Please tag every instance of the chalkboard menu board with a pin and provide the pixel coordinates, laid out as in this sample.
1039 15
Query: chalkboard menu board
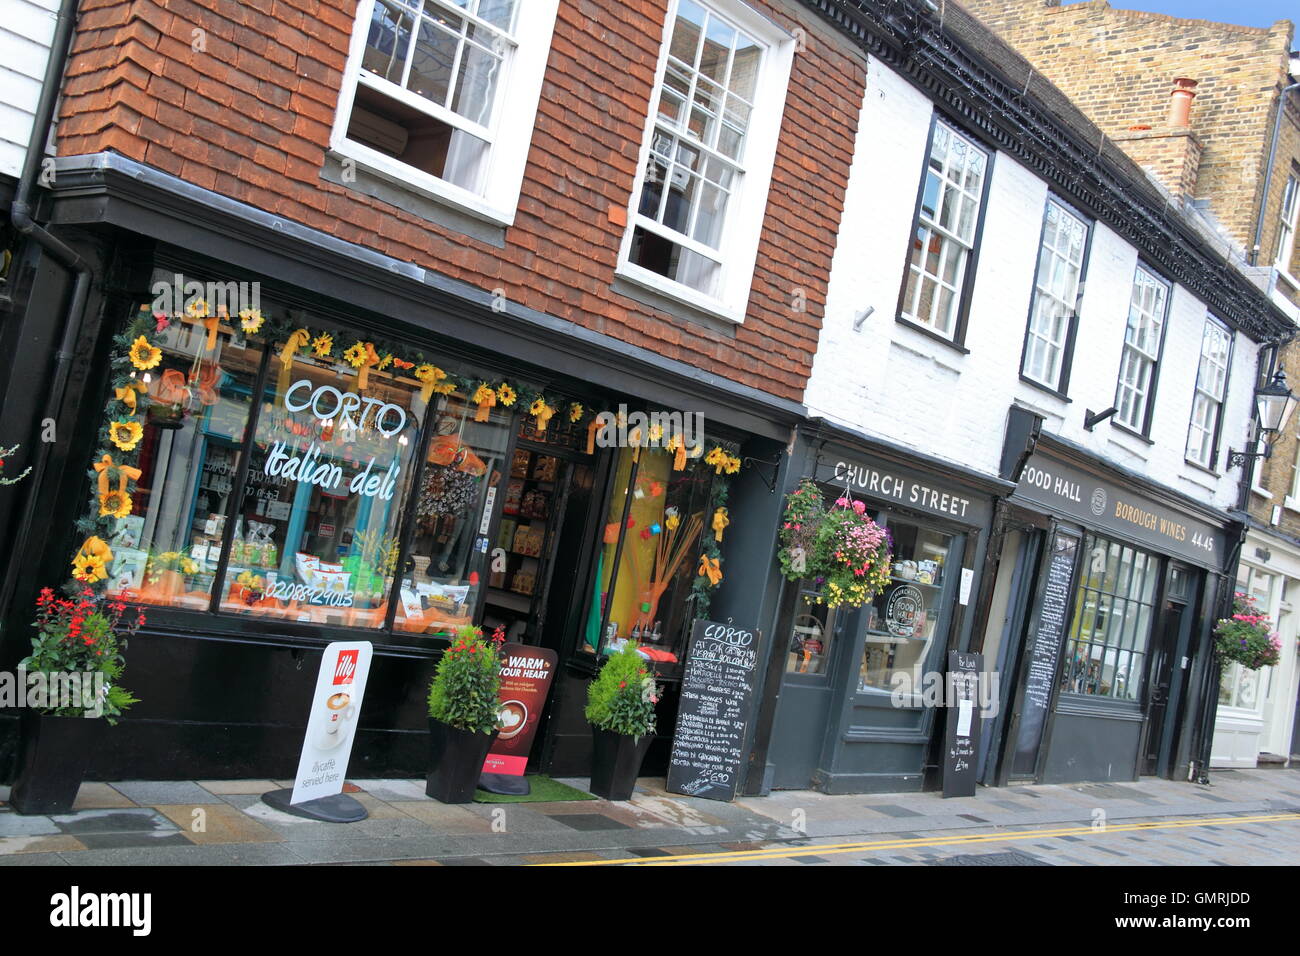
962 741
710 735
1046 633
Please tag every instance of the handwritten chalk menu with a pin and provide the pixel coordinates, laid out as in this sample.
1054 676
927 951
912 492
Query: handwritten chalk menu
710 735
961 744
1047 631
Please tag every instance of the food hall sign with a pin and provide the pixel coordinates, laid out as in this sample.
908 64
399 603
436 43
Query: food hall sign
1106 506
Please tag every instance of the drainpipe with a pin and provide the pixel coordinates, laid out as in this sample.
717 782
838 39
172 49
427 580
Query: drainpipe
20 214
1268 172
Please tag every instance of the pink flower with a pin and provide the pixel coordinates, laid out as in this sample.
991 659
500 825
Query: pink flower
859 507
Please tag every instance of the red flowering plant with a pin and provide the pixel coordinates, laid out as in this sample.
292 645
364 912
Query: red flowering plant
851 554
466 688
804 510
79 646
622 698
1247 638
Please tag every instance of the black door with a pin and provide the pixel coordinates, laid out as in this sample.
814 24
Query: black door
807 689
1169 647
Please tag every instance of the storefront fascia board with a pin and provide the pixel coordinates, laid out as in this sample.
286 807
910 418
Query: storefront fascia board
1159 518
113 190
834 451
1284 551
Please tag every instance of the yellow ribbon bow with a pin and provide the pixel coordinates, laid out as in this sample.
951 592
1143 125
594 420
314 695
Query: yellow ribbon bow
677 445
710 568
363 370
720 522
210 323
105 465
543 416
486 397
592 427
126 394
298 340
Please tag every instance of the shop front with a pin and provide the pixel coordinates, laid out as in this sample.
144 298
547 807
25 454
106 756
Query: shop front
295 467
848 704
1100 620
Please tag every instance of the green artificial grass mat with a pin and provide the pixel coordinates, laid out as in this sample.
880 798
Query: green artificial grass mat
543 790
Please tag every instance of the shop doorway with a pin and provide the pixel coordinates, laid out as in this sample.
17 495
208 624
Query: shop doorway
811 636
1165 690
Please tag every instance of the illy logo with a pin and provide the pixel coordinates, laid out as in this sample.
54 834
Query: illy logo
346 668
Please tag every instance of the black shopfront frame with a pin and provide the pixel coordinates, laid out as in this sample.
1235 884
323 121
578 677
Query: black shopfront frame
865 744
1087 738
222 694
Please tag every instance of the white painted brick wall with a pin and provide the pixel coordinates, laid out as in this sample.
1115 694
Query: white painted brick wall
891 381
26 31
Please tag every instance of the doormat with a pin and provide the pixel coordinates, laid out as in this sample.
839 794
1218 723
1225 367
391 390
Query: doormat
544 790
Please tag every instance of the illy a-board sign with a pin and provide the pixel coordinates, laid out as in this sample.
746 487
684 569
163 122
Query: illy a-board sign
1107 506
332 724
708 744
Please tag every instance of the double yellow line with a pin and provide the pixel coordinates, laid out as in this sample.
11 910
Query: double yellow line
828 849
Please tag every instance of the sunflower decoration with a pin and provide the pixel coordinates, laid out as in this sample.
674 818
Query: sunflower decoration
98 547
656 434
355 355
576 411
144 355
542 412
384 362
251 320
506 395
198 309
114 504
322 345
125 435
721 461
88 568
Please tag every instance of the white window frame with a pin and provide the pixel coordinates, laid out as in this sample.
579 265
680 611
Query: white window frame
1134 358
1292 498
1045 289
1288 221
1207 395
737 250
513 117
950 239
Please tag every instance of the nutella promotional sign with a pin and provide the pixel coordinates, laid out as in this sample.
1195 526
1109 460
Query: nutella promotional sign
332 724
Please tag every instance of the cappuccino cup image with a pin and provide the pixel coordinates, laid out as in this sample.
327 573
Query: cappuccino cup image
338 709
514 717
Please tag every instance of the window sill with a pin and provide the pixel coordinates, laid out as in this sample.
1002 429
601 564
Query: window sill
930 333
1125 430
678 293
409 180
1055 393
1202 468
1291 504
1262 492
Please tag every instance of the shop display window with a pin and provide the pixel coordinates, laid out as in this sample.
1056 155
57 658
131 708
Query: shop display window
316 534
811 635
903 621
651 556
1106 651
464 471
194 408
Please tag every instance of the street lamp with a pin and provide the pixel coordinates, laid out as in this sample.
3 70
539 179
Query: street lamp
1274 404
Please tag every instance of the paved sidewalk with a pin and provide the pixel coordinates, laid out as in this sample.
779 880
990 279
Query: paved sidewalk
225 823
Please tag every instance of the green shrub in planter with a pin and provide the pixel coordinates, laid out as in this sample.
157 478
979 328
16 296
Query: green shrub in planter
622 698
466 687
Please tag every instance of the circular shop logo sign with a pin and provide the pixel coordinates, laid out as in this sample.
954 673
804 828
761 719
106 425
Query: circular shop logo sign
903 610
1099 502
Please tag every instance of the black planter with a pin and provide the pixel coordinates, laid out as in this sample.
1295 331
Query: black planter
52 757
456 757
615 762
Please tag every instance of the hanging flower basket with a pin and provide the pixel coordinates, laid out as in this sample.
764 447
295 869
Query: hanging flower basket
1247 638
840 547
